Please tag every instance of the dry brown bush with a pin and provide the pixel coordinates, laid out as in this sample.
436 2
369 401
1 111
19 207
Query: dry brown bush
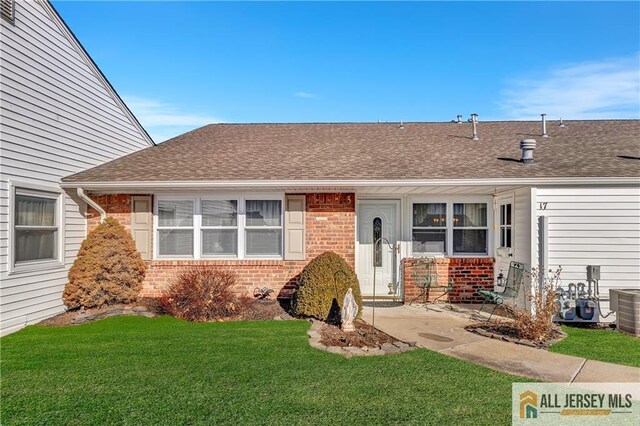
108 269
202 294
538 325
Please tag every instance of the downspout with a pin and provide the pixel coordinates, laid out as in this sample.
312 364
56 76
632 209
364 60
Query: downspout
90 202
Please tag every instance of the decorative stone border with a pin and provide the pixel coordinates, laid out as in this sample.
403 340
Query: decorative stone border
84 317
350 351
498 336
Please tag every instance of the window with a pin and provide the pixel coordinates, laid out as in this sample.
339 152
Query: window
219 227
506 230
377 241
8 8
469 228
429 232
175 228
450 228
263 228
36 226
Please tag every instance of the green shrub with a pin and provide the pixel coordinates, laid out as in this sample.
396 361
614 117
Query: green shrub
322 286
202 294
108 269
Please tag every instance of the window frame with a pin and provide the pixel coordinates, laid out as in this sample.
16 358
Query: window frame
502 227
431 228
207 227
198 228
41 191
450 201
157 228
470 228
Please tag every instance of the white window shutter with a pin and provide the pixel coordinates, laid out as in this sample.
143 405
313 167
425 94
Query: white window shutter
294 216
141 226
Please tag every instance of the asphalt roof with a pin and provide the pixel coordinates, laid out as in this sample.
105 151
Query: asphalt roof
381 151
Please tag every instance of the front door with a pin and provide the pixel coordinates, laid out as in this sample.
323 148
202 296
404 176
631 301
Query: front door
504 236
378 231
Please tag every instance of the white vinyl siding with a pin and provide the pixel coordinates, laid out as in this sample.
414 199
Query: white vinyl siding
59 117
594 226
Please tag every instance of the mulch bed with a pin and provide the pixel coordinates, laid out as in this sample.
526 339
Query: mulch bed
262 310
506 332
363 336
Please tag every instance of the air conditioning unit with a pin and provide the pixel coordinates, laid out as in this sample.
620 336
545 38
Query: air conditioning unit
626 304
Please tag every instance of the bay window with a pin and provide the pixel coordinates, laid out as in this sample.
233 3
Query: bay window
219 227
450 228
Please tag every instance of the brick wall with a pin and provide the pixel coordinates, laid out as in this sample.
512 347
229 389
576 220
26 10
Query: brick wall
469 276
329 225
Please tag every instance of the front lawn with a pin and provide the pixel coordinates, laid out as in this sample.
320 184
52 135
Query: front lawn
602 345
132 370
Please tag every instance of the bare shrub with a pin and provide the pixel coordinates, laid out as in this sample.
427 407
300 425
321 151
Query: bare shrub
537 324
202 294
107 270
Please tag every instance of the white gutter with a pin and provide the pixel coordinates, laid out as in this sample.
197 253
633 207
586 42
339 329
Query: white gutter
350 183
89 201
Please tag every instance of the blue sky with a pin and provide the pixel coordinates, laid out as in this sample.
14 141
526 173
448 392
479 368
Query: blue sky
180 65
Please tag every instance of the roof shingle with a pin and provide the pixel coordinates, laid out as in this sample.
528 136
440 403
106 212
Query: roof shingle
380 151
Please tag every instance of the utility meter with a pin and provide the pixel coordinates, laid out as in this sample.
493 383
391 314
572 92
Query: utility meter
593 273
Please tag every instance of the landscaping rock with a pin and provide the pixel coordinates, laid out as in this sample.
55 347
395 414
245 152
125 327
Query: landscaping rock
146 314
139 309
400 344
390 348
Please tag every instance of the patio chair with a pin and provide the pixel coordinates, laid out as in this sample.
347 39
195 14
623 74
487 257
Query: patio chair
426 277
512 285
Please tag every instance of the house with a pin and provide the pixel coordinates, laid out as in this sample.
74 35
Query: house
59 115
264 199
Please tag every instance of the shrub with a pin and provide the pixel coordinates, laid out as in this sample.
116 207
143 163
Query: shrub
202 294
538 325
322 286
108 269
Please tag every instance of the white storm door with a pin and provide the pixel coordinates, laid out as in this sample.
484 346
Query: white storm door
504 237
377 219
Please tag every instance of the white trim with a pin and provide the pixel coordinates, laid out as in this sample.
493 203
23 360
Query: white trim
43 191
450 200
197 224
232 184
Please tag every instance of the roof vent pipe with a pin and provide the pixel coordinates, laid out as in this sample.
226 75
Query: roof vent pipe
527 146
544 125
474 122
561 123
459 119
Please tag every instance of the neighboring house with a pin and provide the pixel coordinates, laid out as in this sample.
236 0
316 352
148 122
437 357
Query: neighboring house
264 199
59 115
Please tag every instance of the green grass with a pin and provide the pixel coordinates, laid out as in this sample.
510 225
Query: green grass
600 345
132 370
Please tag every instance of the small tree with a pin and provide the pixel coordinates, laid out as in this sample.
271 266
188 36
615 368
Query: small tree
322 286
108 269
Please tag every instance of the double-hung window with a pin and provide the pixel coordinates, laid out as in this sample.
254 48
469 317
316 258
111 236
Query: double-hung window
175 228
219 227
470 228
263 228
450 228
36 224
430 228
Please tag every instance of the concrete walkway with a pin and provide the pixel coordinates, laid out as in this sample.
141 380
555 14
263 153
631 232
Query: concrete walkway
441 329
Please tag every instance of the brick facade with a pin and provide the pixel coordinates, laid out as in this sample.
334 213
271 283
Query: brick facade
329 225
469 276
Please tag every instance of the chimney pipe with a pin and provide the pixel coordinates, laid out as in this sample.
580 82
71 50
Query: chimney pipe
561 123
527 146
474 121
459 119
544 125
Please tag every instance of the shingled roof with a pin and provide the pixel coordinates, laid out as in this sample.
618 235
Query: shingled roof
380 151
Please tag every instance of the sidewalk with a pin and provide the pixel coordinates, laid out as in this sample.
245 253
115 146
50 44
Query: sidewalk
442 330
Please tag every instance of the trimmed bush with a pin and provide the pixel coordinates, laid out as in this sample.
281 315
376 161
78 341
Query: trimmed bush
108 269
202 294
322 286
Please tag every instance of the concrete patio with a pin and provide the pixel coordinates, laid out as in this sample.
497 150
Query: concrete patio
441 329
